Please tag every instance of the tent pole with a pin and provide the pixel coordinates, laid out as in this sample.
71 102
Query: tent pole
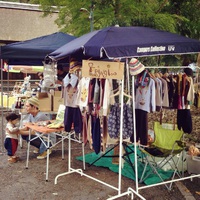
127 75
2 129
168 67
134 133
120 140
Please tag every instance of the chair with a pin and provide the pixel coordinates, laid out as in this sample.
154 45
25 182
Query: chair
167 147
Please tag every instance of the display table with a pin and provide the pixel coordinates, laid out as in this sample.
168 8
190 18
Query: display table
24 119
46 131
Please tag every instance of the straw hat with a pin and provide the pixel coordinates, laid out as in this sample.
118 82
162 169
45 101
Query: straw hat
74 66
33 101
135 67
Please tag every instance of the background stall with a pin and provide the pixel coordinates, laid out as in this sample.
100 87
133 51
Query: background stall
30 53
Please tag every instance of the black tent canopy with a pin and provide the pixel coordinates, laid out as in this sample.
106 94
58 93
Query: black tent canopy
33 51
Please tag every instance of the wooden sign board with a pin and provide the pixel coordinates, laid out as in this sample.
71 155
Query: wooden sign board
102 69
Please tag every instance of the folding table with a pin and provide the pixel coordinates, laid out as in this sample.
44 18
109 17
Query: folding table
44 130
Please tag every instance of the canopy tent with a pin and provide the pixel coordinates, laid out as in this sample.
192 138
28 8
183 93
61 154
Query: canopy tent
127 42
33 52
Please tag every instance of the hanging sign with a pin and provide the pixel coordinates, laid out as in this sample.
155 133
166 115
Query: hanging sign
102 69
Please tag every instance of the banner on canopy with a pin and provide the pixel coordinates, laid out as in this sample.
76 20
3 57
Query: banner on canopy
22 68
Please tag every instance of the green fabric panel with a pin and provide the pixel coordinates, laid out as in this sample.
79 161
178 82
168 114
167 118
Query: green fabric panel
127 170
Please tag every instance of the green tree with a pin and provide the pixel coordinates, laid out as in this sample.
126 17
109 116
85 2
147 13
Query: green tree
110 12
178 16
175 16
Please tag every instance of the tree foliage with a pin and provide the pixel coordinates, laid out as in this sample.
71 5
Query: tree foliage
178 16
175 16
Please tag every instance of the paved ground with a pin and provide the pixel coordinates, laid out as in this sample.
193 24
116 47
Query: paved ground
20 183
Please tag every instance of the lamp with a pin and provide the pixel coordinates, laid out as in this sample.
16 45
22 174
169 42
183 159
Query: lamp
91 17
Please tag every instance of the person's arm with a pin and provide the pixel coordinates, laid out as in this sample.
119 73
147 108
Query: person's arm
25 131
12 130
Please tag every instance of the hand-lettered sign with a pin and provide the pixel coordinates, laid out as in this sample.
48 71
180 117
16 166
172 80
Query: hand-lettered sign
102 69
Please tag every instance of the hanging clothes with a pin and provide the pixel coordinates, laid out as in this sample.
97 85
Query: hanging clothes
104 132
158 94
145 97
184 120
70 91
83 92
96 98
114 121
73 119
107 99
171 91
165 96
141 118
145 102
91 90
96 134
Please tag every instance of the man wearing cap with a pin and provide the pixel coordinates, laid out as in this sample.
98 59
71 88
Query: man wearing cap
32 108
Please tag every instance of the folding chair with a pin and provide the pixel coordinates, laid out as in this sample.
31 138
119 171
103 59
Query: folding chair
167 146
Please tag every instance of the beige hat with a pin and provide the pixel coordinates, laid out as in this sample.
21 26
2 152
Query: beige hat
33 101
135 67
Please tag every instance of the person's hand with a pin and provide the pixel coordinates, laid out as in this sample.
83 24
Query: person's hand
36 83
32 132
23 129
59 82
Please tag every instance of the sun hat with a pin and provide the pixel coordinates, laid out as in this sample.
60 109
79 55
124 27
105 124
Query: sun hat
74 65
33 101
135 67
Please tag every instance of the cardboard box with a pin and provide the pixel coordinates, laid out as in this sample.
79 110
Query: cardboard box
56 103
57 100
57 93
45 103
193 164
40 95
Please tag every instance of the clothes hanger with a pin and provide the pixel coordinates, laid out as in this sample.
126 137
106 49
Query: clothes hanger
127 95
118 93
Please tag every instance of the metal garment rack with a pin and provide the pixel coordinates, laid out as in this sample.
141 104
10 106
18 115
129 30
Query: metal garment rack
183 178
80 171
130 190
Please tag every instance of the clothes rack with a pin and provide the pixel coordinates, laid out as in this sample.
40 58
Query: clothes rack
80 171
136 191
